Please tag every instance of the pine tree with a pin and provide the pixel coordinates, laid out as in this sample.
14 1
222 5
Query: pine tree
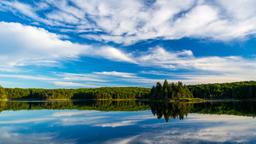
153 92
158 90
165 89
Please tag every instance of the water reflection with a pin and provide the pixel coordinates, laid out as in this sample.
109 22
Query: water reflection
127 122
167 111
171 110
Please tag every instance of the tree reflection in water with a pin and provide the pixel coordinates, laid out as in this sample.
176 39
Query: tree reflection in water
166 110
171 110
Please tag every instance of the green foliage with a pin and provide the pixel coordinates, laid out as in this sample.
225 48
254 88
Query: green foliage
236 90
170 91
83 93
2 93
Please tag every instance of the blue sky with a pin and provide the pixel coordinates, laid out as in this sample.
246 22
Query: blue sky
95 43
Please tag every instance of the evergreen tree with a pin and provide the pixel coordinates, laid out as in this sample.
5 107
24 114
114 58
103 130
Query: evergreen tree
153 92
165 89
158 90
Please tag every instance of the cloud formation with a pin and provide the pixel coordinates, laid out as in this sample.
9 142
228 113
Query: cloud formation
23 45
50 33
132 21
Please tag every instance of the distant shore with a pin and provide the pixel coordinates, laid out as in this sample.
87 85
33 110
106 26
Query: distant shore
194 100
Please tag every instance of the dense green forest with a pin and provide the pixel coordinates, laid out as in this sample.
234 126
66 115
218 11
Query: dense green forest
170 91
84 93
236 90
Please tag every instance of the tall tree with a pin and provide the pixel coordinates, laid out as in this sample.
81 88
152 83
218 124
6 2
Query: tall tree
153 92
165 89
158 90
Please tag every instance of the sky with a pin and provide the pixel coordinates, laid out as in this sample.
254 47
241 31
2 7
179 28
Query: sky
98 43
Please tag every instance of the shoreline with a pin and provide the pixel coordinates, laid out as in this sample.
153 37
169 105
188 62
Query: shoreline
190 100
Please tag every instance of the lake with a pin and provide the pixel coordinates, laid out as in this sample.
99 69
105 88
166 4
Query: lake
120 122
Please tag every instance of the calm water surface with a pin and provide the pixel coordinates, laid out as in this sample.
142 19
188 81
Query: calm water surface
126 122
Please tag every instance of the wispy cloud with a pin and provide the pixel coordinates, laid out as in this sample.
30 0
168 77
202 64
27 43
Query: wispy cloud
200 69
23 45
28 77
50 33
82 77
72 84
116 74
101 79
131 21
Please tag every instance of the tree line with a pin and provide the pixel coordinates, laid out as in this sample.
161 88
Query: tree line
83 93
235 90
165 90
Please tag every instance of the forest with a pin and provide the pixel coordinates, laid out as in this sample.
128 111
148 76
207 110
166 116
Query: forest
235 90
83 93
165 90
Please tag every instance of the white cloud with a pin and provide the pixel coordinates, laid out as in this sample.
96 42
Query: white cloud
20 7
160 57
112 54
81 77
72 84
26 45
128 22
28 77
132 21
23 45
163 58
101 79
208 69
116 74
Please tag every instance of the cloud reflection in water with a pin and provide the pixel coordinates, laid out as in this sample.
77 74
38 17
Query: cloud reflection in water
77 126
